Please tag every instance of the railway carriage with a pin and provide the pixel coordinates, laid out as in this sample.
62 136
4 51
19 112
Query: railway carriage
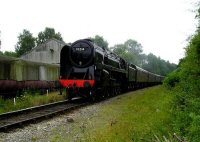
152 78
142 77
132 73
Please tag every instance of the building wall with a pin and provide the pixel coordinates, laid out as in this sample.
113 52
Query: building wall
48 52
21 70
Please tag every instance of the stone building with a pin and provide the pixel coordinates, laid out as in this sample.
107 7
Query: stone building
48 52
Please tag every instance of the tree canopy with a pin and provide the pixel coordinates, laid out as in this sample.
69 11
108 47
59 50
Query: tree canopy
130 50
157 65
100 41
25 43
10 53
47 34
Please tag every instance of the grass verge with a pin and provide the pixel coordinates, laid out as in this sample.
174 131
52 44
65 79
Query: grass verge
143 115
28 100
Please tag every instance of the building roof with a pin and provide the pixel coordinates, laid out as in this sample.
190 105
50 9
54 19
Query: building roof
48 52
41 45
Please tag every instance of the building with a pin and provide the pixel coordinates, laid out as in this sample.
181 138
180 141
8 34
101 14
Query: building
48 52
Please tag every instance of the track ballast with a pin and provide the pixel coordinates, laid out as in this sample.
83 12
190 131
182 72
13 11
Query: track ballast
19 118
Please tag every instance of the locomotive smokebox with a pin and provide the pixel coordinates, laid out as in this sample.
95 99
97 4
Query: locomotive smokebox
82 53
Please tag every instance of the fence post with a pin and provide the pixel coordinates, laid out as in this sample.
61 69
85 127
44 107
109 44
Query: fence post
14 102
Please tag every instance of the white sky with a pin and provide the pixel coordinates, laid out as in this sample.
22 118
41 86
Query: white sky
161 26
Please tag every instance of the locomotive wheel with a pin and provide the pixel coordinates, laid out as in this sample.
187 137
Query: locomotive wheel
110 92
104 92
93 98
69 94
99 93
115 91
120 91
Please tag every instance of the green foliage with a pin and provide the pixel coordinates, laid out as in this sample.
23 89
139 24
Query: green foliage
47 34
157 65
25 43
187 95
172 79
186 102
131 51
10 53
100 41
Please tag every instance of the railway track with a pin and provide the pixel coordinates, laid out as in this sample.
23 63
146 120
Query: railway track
20 118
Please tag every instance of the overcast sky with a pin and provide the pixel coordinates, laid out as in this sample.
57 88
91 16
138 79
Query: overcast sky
161 26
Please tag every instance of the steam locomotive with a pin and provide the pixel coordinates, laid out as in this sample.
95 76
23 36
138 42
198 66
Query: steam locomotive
90 71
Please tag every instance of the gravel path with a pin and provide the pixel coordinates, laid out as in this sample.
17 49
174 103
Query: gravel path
71 126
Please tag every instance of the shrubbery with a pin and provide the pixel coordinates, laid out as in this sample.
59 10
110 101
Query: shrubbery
186 91
172 79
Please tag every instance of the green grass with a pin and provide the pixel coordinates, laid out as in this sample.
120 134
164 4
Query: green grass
137 116
28 100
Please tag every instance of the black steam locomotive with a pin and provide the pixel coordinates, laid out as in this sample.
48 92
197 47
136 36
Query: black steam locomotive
90 71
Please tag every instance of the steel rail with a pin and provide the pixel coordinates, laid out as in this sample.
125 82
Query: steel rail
19 118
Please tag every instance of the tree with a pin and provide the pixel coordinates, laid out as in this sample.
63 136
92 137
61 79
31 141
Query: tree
157 65
10 53
99 40
47 34
133 46
131 51
25 43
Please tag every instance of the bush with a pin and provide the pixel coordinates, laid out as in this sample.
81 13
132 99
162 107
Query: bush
186 83
172 79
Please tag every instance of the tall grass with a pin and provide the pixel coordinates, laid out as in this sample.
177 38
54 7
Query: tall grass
28 100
